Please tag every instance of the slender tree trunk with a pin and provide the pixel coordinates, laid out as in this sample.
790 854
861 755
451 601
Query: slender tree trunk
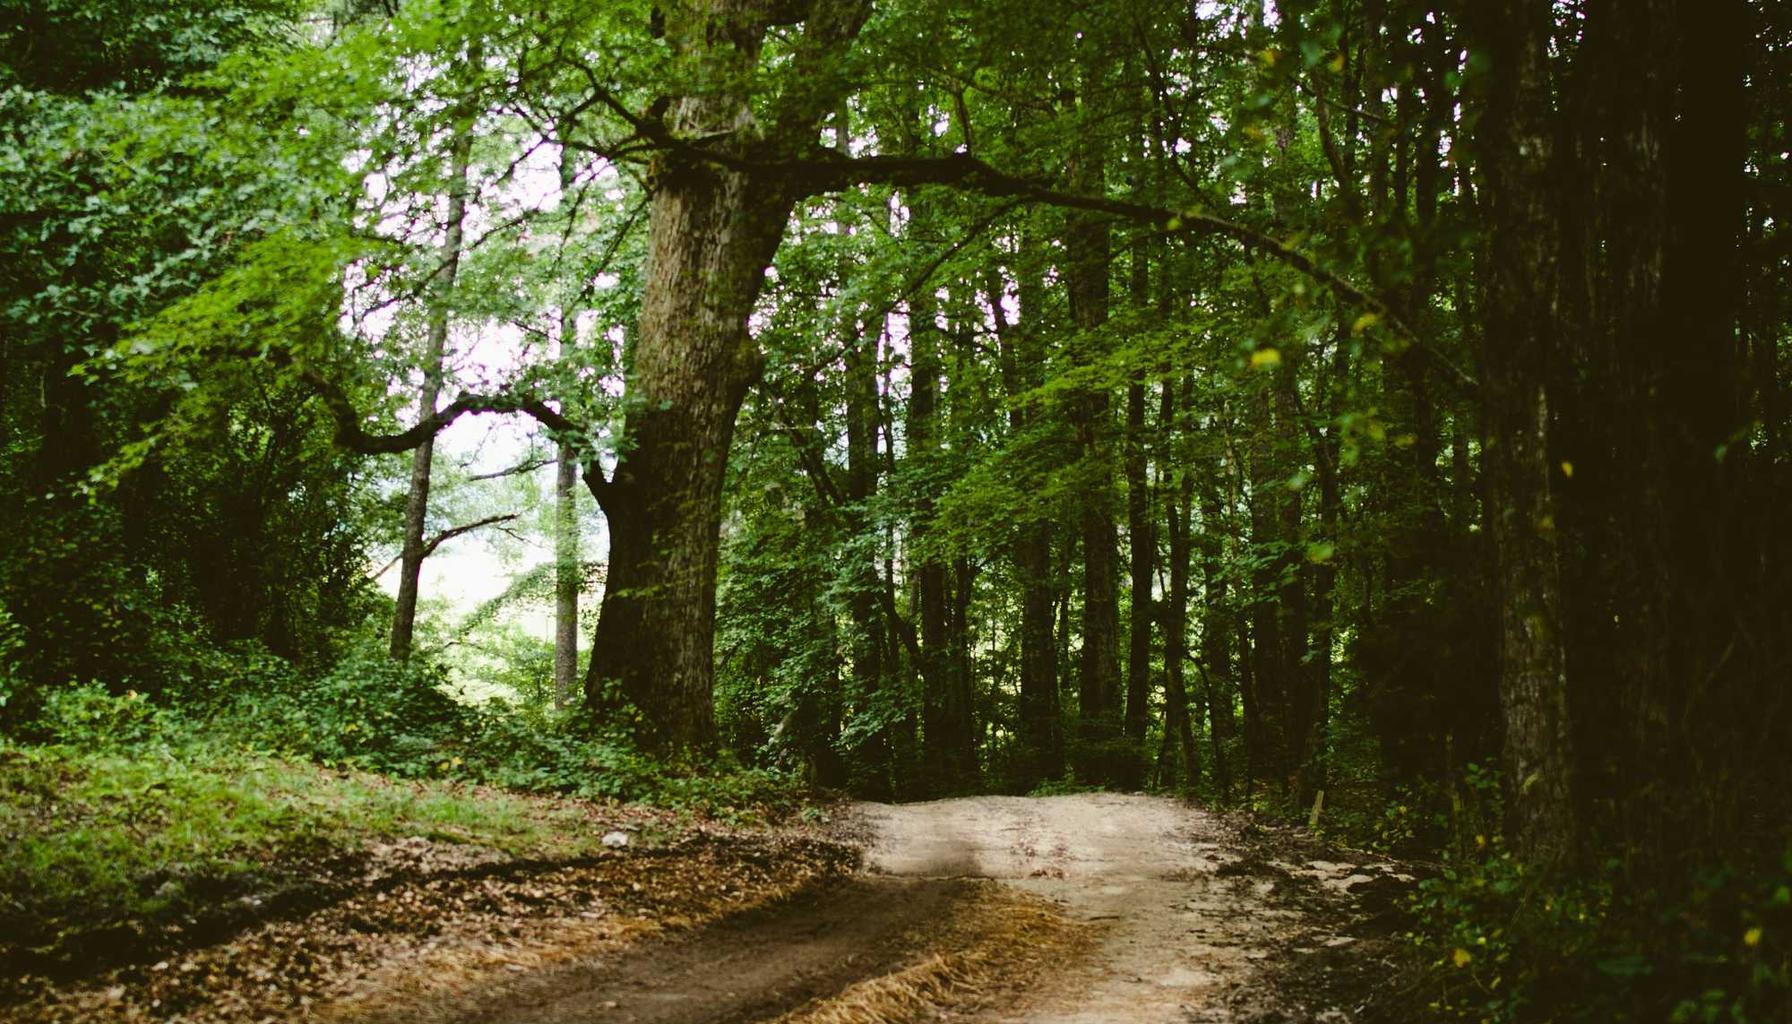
1327 449
1141 532
1088 257
416 507
868 633
1141 529
568 572
1065 585
1041 740
1293 608
567 577
1216 640
1178 491
1249 704
1272 691
869 638
946 740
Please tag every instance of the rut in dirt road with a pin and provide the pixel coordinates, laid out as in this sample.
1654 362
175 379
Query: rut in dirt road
754 966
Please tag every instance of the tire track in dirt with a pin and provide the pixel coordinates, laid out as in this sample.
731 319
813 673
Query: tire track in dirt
752 966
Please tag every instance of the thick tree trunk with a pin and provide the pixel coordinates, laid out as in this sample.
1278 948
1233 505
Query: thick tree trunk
1519 303
713 233
416 507
1717 544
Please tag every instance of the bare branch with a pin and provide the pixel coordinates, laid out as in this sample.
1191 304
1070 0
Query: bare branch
452 532
430 546
526 466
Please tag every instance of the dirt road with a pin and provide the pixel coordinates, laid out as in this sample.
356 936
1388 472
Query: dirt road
1175 918
1148 912
1188 917
986 910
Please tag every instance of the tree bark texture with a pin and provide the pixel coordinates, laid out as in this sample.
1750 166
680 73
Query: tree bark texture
712 232
1520 325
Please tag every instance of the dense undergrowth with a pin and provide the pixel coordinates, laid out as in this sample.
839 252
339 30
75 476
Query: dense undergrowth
1494 942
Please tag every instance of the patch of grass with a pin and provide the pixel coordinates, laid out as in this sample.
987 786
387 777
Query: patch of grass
89 838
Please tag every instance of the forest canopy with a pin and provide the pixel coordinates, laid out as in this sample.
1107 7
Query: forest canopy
1365 413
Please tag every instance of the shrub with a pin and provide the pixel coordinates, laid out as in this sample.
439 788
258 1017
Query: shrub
1505 945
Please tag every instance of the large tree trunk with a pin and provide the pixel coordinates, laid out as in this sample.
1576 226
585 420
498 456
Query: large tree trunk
712 232
1717 545
1519 303
416 506
1664 547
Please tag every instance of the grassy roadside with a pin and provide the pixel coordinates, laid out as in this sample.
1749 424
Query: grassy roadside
116 843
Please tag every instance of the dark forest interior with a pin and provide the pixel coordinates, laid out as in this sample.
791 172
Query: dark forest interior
1364 419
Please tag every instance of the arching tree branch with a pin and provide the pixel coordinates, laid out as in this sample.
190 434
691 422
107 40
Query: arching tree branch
352 435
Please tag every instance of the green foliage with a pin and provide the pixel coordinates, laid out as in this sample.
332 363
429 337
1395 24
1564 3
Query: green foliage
1505 944
1500 941
399 719
88 716
151 499
12 644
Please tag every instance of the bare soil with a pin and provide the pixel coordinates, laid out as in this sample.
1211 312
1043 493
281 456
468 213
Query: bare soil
1200 919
